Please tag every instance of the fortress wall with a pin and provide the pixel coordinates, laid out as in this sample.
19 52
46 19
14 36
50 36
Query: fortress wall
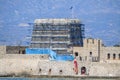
105 69
26 56
60 68
111 51
32 67
15 49
2 51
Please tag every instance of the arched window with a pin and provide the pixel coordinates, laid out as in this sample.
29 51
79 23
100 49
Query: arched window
119 56
108 56
114 56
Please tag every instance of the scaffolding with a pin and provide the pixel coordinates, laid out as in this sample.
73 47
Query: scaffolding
57 34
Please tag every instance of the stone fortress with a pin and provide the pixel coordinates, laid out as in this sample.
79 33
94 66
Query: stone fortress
51 49
93 50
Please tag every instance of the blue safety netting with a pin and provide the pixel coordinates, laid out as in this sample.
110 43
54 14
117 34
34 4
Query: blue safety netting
48 51
64 58
37 51
52 55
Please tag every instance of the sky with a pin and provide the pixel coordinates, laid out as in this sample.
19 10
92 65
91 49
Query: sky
101 18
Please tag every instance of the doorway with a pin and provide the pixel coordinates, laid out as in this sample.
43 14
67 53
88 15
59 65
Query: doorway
83 70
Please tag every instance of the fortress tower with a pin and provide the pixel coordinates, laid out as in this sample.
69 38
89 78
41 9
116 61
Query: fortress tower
57 34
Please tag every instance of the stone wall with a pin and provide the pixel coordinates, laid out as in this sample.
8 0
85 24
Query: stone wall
11 52
37 67
98 52
114 54
2 51
26 56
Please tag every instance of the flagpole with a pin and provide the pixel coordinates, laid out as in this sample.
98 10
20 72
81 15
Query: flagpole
72 12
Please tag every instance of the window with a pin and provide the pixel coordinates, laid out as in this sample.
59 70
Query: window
40 69
87 41
93 41
85 58
19 51
50 70
108 56
76 53
80 58
90 53
119 56
114 56
23 52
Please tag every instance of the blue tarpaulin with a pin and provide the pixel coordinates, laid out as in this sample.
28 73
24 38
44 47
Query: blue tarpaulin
64 58
53 55
37 51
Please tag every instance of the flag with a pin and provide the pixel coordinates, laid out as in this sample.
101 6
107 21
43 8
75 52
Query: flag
71 7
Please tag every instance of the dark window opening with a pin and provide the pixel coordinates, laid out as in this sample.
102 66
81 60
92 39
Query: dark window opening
119 56
76 53
50 71
19 52
114 56
40 69
87 41
93 41
23 52
85 58
108 56
60 71
42 56
80 58
90 53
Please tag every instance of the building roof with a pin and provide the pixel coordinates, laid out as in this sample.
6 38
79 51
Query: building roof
57 21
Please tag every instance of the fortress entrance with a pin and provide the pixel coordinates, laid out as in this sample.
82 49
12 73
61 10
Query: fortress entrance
83 70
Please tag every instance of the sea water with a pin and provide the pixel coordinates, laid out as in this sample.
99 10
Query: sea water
11 78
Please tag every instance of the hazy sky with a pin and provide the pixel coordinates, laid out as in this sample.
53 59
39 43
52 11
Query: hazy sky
101 18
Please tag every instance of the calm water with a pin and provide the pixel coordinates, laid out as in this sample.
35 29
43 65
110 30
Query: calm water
56 79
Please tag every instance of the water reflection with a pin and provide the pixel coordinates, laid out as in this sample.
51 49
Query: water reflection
59 78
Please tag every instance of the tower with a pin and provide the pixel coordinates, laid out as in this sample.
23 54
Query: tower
57 34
